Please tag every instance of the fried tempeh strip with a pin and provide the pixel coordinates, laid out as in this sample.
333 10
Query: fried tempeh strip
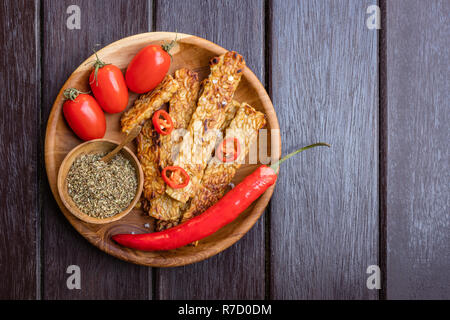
148 103
163 225
181 107
147 151
230 113
218 175
160 224
196 148
165 206
148 140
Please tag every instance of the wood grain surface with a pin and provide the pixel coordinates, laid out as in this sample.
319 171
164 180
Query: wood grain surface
331 206
19 132
237 273
103 276
418 223
324 213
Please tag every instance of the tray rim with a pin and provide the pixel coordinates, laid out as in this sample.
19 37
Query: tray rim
259 205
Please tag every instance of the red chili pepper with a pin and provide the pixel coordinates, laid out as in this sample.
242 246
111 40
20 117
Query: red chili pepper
219 215
162 122
176 177
228 150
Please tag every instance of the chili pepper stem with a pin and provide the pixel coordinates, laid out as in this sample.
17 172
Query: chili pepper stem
276 165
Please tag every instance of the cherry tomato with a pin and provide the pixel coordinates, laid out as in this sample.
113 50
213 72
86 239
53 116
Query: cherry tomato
148 68
109 87
84 115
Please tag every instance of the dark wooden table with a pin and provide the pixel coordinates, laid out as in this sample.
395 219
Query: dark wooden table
380 196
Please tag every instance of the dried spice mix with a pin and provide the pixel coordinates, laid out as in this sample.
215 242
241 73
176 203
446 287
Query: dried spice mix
100 189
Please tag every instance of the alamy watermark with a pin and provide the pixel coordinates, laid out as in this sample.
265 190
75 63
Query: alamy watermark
374 279
74 280
74 19
374 19
196 148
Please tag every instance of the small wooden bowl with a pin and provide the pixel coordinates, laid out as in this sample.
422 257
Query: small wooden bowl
88 147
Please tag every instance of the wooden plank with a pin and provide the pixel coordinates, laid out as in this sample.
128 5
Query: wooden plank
102 276
324 213
19 132
238 272
418 252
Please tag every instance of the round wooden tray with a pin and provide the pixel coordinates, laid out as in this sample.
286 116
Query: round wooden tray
191 52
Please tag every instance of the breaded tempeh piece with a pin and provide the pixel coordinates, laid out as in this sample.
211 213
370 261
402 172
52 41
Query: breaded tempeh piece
230 113
147 152
165 208
184 101
196 149
218 175
163 225
170 210
148 141
181 107
148 103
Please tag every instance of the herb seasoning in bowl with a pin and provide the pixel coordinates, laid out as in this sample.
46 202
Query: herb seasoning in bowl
101 189
96 191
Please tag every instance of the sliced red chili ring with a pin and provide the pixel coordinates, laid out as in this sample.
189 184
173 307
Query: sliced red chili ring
228 150
162 122
175 177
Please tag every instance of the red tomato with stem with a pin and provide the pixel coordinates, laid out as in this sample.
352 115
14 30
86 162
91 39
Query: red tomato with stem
148 67
109 87
84 115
